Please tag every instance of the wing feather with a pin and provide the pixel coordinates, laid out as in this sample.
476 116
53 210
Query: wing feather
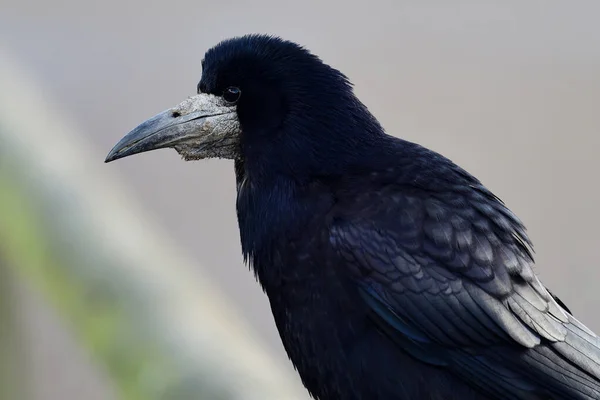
449 277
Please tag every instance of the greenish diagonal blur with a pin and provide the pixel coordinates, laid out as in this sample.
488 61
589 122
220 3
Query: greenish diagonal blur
12 361
93 311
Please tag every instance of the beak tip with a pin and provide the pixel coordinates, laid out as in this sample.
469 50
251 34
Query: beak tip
112 156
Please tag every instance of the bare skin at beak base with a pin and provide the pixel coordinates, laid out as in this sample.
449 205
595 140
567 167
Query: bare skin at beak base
202 126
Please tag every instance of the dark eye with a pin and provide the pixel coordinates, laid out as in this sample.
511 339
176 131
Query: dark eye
232 94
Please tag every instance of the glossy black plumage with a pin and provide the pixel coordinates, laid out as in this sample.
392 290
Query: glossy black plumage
391 272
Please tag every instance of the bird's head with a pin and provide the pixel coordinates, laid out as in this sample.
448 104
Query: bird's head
259 98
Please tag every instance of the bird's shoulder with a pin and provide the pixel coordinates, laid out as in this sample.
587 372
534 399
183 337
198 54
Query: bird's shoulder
432 244
446 271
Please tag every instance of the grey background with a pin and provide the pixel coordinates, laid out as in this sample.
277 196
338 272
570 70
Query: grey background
510 90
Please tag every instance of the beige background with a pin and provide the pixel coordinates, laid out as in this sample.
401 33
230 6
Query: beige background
510 90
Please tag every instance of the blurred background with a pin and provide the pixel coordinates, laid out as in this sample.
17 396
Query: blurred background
126 281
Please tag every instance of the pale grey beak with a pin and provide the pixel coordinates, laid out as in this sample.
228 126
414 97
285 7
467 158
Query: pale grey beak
202 126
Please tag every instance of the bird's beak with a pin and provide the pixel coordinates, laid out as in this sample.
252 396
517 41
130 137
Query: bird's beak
202 126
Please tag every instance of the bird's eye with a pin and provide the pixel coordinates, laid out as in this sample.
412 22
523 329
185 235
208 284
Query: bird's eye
232 94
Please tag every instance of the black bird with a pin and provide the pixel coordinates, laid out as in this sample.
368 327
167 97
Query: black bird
392 273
